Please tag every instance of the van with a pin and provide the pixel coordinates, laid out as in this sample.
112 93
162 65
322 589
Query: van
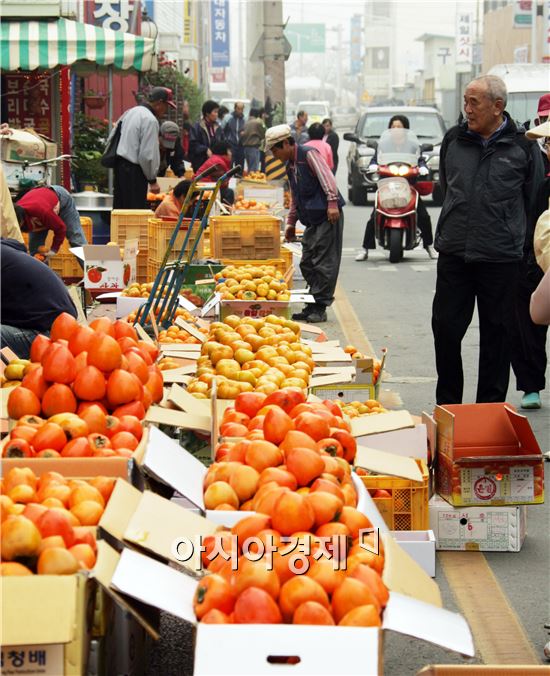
526 83
316 111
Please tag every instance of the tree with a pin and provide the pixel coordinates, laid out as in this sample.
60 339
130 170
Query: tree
183 88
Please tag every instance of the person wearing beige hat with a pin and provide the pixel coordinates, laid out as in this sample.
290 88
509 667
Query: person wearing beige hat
317 204
528 336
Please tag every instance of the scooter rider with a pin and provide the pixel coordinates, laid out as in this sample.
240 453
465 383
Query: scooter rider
423 217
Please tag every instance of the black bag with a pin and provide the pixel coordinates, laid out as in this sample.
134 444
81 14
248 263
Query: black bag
108 159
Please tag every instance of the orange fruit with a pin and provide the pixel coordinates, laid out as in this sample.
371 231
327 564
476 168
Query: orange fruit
298 590
312 612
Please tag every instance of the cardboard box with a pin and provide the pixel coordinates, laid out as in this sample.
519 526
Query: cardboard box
26 145
53 637
254 308
410 442
482 670
487 454
419 545
414 609
480 529
105 268
357 385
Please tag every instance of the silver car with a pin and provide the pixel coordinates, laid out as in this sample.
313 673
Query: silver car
344 117
425 122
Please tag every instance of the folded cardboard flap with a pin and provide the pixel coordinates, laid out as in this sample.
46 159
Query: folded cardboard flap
412 617
103 572
383 422
411 442
118 512
155 584
157 525
74 468
166 460
389 464
52 603
403 575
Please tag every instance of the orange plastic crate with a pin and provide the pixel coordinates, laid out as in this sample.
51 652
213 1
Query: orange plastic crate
245 237
407 508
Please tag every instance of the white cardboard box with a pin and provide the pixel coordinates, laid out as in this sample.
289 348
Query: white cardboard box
419 545
484 529
105 267
409 442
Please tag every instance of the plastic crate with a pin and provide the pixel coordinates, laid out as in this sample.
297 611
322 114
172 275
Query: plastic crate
141 267
245 237
66 265
130 224
407 508
160 233
282 264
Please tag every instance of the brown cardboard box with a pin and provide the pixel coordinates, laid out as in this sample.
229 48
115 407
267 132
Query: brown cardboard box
26 145
487 454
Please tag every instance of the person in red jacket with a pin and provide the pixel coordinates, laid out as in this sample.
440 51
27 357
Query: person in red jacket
221 158
42 209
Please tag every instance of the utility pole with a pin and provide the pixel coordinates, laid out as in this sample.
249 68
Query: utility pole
274 58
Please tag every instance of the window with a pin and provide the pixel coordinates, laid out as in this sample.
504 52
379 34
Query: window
427 126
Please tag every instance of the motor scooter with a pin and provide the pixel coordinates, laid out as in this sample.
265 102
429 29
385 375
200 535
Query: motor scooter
402 176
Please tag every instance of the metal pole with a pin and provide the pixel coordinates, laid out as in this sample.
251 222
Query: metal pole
110 83
534 31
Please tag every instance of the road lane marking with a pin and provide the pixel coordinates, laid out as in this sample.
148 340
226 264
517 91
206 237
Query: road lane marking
350 324
498 633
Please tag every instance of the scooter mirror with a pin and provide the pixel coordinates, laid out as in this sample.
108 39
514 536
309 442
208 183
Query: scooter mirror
426 147
372 144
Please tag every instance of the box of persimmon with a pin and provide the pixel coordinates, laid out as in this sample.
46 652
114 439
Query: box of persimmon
185 556
487 454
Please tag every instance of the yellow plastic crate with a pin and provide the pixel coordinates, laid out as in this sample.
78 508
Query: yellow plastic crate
141 267
245 237
130 224
160 233
66 265
407 508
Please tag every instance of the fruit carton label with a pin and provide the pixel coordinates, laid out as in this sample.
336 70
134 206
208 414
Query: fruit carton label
243 308
46 660
104 268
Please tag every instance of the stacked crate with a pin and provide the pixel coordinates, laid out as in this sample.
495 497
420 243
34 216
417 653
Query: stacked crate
64 263
159 234
244 237
133 224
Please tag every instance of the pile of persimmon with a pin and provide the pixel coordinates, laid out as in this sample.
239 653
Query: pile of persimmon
285 446
103 364
251 282
91 433
331 578
246 354
47 522
180 312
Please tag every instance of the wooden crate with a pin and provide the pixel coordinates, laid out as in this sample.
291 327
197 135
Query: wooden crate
245 237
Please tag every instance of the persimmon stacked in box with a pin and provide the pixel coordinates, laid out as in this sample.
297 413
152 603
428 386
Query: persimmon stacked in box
288 451
85 392
46 521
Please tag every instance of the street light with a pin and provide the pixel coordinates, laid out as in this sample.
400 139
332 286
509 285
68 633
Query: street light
149 28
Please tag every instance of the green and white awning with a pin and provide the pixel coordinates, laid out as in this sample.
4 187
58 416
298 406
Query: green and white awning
27 45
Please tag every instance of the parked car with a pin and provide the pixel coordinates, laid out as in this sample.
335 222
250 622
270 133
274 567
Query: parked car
316 110
344 117
425 122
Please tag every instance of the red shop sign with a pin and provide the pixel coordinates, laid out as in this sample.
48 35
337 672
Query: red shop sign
29 101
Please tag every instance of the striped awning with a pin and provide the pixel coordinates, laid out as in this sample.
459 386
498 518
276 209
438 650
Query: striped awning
27 45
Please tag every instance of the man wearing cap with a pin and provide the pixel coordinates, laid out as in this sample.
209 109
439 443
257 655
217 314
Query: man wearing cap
317 203
138 153
171 151
528 338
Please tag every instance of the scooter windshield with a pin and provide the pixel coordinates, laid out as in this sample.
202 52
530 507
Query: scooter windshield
398 145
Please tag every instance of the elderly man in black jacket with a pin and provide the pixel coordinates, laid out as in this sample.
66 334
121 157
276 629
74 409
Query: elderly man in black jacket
489 175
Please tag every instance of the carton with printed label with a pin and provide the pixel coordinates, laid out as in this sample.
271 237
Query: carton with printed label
487 454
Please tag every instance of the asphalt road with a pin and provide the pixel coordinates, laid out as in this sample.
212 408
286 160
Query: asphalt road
393 305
